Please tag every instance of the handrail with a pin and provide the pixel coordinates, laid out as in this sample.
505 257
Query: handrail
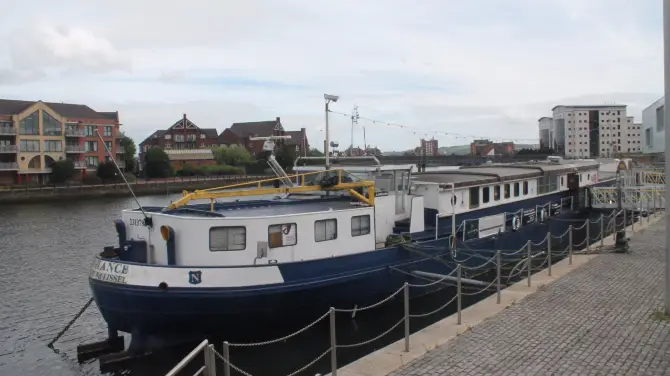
187 359
295 162
523 266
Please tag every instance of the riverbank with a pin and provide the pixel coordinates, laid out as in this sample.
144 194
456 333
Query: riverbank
583 318
30 195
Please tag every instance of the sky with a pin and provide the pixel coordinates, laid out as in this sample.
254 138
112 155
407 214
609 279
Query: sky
431 68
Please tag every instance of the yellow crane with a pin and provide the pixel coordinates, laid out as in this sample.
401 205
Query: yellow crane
260 188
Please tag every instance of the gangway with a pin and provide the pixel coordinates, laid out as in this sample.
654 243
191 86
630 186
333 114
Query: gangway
269 145
638 190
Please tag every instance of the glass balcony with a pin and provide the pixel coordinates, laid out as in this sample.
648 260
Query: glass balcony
7 131
75 133
9 166
74 149
8 149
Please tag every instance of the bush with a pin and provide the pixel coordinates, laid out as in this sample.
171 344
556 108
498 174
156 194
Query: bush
61 171
107 172
220 170
187 170
130 177
91 180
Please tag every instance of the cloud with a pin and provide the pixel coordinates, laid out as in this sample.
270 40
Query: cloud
50 50
485 68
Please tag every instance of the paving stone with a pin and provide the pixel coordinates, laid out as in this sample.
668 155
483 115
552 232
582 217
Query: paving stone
594 321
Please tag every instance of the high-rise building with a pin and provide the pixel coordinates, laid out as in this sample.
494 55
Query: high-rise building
591 131
653 132
429 147
545 125
35 134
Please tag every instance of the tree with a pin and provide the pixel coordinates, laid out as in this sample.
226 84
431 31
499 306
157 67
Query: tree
106 171
61 171
157 163
285 157
129 149
233 156
314 152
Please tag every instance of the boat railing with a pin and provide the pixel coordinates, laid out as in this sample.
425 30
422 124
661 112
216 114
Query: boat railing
260 187
509 266
352 158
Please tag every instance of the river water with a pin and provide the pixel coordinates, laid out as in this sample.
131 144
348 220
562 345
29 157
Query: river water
46 251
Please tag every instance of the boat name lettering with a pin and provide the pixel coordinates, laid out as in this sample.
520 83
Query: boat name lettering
109 272
136 222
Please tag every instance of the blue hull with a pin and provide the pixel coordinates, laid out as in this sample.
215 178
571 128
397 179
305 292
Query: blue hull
310 288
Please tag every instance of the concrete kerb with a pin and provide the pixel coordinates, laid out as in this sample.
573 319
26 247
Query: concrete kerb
390 358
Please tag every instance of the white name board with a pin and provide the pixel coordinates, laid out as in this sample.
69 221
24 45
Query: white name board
491 225
107 271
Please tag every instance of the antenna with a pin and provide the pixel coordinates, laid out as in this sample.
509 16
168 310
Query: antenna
354 120
365 145
147 220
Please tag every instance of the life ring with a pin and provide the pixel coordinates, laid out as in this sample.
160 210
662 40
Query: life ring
515 223
543 215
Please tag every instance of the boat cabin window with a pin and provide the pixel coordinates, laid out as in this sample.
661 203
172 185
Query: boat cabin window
474 197
496 192
227 238
282 235
525 187
553 183
485 195
360 225
516 189
325 229
562 184
507 190
384 181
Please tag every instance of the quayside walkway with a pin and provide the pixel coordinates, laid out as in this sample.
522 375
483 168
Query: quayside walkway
597 320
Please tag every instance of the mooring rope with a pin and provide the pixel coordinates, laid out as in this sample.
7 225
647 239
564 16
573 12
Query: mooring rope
60 334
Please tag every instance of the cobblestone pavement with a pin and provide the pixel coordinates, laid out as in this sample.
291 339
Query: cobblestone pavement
594 321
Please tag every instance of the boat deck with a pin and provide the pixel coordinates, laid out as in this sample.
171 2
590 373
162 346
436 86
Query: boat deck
487 174
261 208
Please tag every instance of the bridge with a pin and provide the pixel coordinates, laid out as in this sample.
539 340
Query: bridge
639 190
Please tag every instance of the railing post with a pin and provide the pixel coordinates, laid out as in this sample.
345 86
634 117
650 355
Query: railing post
602 231
437 221
333 344
498 274
570 245
406 296
588 234
648 211
458 293
529 245
632 219
549 252
210 361
625 222
572 201
226 356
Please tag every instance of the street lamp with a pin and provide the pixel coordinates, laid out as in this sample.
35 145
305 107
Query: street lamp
328 99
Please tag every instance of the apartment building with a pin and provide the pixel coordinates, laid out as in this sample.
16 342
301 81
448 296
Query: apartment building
430 147
653 124
593 131
35 134
183 142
